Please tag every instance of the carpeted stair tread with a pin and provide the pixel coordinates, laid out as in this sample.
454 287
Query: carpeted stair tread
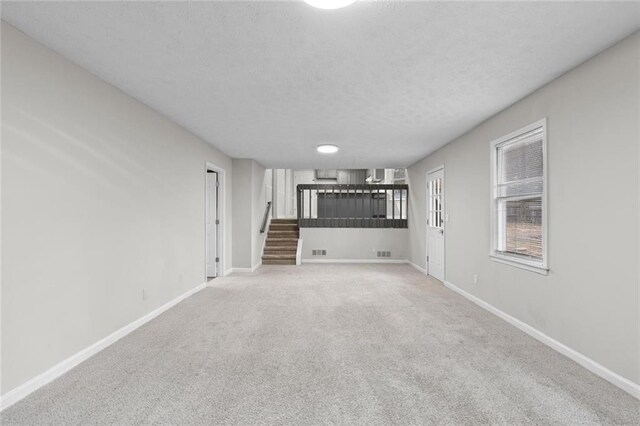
280 249
283 227
281 245
279 262
279 242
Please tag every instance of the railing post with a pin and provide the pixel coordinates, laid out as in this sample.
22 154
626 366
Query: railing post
324 205
405 222
310 205
340 207
393 204
299 205
401 191
362 210
352 217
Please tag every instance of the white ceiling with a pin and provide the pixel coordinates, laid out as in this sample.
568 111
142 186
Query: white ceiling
388 81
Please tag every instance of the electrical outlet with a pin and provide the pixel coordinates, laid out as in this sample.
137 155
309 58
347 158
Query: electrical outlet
475 278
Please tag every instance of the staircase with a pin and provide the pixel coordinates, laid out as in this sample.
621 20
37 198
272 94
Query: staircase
282 242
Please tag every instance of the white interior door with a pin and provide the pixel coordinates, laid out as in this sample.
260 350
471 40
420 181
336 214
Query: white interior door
212 224
435 224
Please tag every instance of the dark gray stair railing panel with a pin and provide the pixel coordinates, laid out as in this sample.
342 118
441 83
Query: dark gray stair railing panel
352 206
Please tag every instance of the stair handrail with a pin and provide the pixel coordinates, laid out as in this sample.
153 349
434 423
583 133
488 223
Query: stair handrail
266 217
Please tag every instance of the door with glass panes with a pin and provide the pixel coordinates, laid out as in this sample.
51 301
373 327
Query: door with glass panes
435 224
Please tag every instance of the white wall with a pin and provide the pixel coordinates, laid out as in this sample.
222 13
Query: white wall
243 213
589 301
354 243
268 186
305 177
101 198
249 202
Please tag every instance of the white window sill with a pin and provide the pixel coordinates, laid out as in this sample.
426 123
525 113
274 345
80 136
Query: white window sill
522 264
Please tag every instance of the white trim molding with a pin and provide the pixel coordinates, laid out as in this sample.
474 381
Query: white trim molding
62 367
222 205
417 267
435 169
361 261
591 365
498 220
354 261
299 252
519 263
245 270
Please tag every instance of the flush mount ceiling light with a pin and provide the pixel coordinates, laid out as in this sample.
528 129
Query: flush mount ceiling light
327 148
329 4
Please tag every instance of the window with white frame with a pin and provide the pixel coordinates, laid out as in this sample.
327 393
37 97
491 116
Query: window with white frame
399 176
518 204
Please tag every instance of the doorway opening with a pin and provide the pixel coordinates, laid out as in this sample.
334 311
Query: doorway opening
436 224
214 231
284 194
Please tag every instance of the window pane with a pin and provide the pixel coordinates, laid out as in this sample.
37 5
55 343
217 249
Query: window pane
523 227
399 174
520 167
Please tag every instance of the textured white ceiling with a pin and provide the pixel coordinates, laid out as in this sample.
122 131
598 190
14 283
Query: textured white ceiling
389 81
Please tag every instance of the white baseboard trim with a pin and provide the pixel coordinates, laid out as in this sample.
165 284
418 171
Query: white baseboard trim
419 268
354 261
252 269
591 365
228 271
299 252
62 367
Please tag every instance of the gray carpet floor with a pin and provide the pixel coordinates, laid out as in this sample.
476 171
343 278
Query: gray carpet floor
327 344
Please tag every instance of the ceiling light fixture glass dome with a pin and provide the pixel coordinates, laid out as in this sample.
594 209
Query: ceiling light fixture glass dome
330 4
327 148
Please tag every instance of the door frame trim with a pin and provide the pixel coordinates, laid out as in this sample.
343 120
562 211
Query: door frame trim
220 235
444 222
